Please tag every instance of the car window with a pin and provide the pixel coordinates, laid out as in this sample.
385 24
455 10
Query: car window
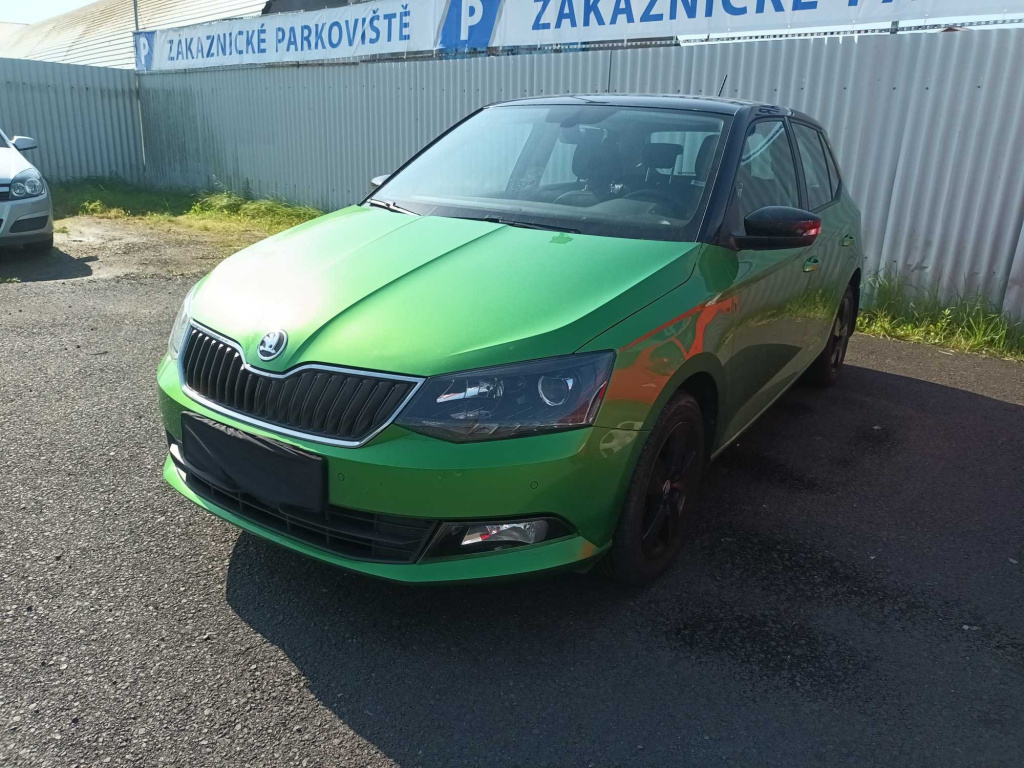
767 172
835 181
812 156
591 168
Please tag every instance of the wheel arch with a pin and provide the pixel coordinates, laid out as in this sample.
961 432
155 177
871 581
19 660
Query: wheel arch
703 378
855 281
704 389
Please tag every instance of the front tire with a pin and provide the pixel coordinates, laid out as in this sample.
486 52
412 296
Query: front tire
661 495
824 371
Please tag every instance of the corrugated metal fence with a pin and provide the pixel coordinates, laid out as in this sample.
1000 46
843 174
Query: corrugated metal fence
926 127
86 119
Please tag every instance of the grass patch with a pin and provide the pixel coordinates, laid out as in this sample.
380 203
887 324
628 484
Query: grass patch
269 216
224 215
894 310
117 199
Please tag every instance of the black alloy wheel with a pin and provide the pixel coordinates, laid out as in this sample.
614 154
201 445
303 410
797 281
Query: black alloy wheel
824 371
662 492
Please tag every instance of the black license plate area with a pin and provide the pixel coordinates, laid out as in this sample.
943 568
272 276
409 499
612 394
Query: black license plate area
254 469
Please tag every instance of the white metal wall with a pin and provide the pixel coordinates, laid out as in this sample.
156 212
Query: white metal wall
86 119
926 126
318 134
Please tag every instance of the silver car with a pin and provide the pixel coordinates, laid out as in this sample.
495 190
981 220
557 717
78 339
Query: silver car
26 210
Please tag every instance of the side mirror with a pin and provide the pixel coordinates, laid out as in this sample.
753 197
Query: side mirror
24 143
777 227
376 181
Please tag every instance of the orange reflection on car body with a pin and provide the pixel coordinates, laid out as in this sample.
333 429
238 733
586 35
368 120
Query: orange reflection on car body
644 379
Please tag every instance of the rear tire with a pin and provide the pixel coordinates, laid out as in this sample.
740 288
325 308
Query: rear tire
40 246
824 371
661 495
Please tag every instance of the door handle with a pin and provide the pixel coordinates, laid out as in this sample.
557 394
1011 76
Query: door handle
812 264
848 241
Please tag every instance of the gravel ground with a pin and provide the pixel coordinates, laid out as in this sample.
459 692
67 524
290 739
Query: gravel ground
852 593
105 248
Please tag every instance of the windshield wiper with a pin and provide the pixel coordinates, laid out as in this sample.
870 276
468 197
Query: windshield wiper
387 205
528 225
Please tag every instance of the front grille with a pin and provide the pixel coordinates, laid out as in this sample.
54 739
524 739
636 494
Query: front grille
338 405
347 532
5 194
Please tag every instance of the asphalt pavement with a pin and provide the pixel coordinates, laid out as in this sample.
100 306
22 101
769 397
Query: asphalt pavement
852 592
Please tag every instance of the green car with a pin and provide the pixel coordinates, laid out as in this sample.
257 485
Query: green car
520 352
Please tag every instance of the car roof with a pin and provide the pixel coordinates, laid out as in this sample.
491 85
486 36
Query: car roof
712 104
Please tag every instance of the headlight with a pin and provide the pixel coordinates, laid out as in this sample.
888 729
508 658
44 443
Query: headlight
180 325
27 184
511 400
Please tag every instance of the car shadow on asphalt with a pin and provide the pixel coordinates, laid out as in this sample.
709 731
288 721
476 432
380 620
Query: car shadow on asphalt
55 264
816 601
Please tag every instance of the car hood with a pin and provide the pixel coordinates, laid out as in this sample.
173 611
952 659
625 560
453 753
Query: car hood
422 295
12 163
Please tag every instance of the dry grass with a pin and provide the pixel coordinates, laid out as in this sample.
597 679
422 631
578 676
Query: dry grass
232 220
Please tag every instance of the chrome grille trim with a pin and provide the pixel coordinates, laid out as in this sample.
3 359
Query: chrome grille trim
293 372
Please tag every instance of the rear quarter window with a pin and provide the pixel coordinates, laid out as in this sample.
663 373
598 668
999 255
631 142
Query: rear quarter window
835 179
820 191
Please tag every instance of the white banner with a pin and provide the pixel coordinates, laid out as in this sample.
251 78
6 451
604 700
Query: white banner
545 22
368 29
394 27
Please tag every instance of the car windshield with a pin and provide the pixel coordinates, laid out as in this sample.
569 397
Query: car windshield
588 168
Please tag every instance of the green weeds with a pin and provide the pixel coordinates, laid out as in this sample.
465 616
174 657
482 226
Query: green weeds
894 310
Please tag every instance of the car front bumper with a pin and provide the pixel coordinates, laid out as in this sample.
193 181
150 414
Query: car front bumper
18 214
578 476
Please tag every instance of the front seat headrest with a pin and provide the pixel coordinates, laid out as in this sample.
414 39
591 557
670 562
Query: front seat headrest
706 153
596 162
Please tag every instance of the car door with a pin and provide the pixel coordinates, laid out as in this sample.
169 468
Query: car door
768 346
826 262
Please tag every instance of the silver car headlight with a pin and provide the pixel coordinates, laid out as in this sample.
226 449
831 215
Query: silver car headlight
181 323
511 400
27 184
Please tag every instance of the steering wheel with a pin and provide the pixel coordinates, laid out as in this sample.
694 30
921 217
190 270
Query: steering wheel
656 196
529 180
566 197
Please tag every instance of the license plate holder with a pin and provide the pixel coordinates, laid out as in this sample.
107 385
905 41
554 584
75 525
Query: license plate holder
275 475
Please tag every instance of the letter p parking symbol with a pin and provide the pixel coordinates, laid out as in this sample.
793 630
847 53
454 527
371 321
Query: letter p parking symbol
472 12
144 45
468 25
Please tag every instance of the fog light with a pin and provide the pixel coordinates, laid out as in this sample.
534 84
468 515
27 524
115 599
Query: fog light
454 539
528 532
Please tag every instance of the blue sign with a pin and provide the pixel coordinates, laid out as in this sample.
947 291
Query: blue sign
469 25
145 42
